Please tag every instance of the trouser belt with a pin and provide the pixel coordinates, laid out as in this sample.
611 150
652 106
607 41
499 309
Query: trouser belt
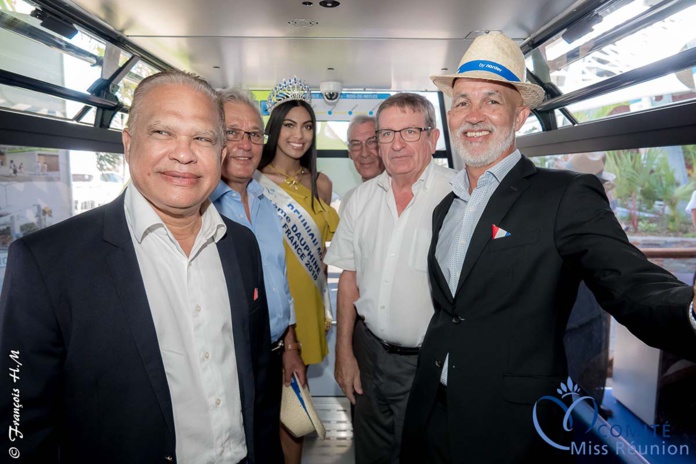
393 349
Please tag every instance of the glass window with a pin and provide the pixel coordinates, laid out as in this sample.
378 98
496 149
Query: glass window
599 48
41 52
649 190
40 187
35 51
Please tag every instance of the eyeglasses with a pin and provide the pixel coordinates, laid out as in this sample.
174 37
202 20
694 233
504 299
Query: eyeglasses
409 134
235 135
356 145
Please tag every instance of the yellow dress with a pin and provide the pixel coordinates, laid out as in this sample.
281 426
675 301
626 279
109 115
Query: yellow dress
309 304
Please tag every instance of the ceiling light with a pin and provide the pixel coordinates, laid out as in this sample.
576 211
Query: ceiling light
329 3
303 22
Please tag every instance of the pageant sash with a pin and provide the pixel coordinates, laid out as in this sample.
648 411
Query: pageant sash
302 235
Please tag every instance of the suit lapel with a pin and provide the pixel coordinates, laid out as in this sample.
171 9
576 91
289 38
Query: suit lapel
123 264
239 307
509 190
438 278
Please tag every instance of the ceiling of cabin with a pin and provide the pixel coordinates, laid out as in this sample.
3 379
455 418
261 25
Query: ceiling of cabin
374 44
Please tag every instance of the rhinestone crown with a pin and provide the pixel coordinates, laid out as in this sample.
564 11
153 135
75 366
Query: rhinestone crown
289 89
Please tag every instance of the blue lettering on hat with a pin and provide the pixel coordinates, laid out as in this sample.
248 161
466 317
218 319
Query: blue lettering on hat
490 66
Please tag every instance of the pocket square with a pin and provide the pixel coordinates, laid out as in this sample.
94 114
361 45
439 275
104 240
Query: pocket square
256 294
499 233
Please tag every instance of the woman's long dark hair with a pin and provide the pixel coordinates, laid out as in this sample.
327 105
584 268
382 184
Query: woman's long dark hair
273 127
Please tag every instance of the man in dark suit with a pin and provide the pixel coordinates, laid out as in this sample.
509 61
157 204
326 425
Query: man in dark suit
138 332
510 247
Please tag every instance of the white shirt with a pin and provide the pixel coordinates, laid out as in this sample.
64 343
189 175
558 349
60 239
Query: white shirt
344 200
389 254
191 311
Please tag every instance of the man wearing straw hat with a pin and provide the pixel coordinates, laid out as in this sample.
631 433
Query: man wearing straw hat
510 246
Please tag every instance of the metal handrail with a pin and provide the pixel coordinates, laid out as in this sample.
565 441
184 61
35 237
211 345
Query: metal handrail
669 252
29 83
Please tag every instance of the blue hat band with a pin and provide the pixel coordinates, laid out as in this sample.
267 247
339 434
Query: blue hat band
489 66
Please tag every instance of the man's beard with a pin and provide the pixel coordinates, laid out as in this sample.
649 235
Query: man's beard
499 144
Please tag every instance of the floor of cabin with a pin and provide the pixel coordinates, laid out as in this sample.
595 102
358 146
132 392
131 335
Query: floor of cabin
337 447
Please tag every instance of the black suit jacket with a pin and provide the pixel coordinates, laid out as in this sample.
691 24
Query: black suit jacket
91 385
503 329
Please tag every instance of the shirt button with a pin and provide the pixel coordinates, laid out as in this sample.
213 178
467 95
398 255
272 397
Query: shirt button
206 355
198 309
456 320
217 402
381 307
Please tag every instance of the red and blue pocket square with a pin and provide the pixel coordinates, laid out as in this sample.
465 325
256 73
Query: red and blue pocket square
499 232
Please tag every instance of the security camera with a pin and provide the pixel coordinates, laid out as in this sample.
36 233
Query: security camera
331 91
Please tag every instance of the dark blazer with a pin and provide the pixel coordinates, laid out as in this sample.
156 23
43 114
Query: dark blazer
503 329
91 383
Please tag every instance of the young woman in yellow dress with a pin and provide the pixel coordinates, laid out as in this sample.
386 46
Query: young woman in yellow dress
289 161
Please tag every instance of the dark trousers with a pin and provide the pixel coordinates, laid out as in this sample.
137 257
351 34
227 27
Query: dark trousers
379 412
436 435
273 394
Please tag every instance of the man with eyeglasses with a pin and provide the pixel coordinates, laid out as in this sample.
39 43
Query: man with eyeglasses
240 198
383 299
362 149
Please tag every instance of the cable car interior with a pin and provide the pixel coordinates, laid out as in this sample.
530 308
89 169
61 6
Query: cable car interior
620 94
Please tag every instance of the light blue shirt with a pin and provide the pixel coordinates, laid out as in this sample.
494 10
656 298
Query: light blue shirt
464 214
462 219
265 225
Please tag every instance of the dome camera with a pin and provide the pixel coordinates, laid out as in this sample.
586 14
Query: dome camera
331 91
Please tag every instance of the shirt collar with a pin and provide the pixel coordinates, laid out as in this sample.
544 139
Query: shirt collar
221 189
143 218
384 179
253 188
460 182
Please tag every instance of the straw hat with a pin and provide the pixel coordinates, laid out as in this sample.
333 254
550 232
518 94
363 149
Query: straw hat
297 411
494 57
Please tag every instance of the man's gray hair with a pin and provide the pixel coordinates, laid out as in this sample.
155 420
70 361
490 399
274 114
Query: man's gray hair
412 101
175 77
244 97
357 121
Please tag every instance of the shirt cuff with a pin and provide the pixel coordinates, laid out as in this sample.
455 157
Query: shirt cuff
692 316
